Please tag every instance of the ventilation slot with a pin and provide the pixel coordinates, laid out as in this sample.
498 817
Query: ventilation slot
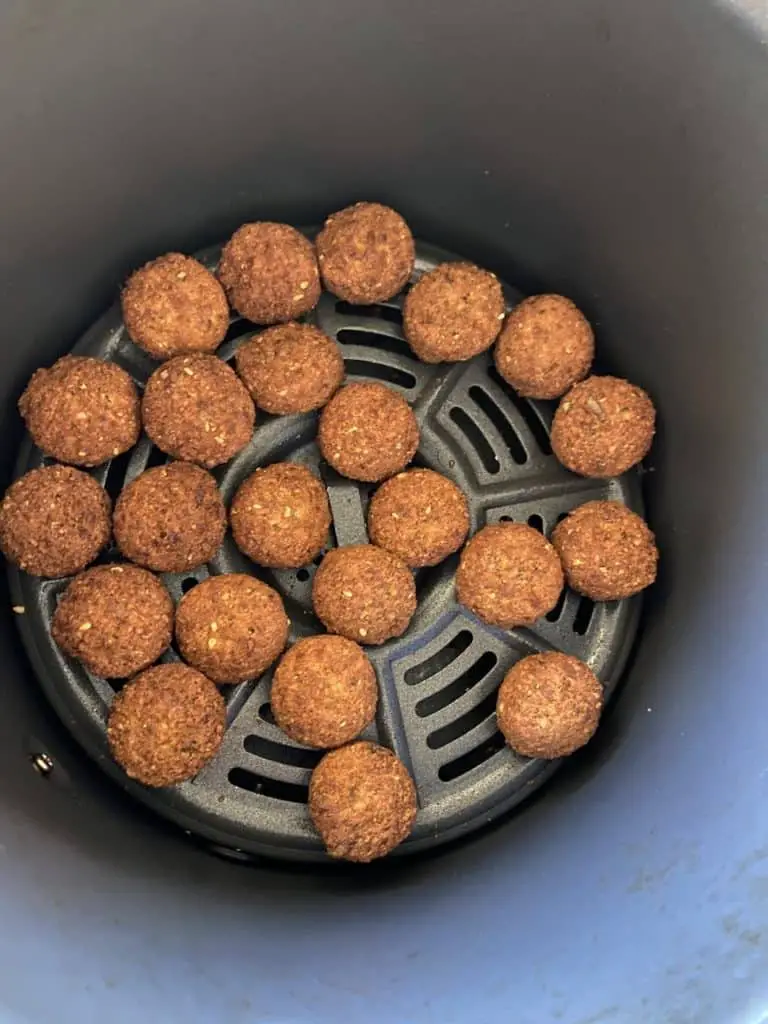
474 717
472 759
437 701
484 401
526 410
382 372
296 757
155 458
440 660
583 616
371 339
272 788
388 313
188 583
557 611
265 714
536 523
115 481
476 438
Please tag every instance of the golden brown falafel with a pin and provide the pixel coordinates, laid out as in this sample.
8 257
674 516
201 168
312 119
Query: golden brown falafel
174 306
54 521
171 518
269 272
231 627
509 575
82 411
116 619
166 724
362 801
368 432
324 691
549 705
364 593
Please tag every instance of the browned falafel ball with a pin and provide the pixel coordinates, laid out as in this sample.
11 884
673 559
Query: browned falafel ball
608 552
82 410
54 521
362 801
231 627
173 306
603 427
269 272
545 346
366 253
364 593
324 691
453 313
195 409
419 515
170 518
549 705
166 724
117 619
280 516
368 432
290 368
509 575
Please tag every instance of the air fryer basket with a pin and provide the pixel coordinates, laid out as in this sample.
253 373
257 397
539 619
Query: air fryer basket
610 150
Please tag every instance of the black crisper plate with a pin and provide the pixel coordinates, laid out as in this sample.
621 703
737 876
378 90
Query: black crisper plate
438 683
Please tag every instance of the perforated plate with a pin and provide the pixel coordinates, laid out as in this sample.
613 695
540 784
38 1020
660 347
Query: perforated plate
438 683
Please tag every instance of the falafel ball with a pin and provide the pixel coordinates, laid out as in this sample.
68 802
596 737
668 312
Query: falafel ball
173 306
196 409
231 627
603 427
54 521
368 432
366 253
420 516
509 575
280 516
549 705
545 346
324 691
362 801
453 313
269 272
166 724
82 410
117 619
290 368
608 552
364 593
171 518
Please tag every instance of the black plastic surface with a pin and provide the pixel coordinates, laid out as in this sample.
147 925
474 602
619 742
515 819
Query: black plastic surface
438 682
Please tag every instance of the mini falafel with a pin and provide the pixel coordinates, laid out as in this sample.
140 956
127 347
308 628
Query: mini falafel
171 518
269 272
54 521
603 426
549 705
420 516
166 724
116 619
290 368
364 593
280 516
82 411
368 432
453 313
545 346
366 253
174 306
324 691
608 552
231 627
509 575
362 801
196 409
